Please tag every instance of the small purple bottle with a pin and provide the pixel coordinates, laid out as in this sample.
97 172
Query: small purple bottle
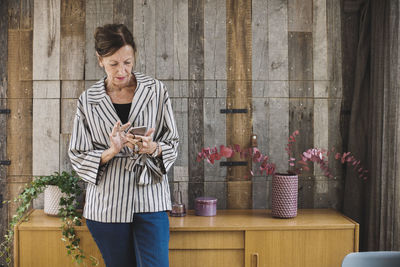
205 206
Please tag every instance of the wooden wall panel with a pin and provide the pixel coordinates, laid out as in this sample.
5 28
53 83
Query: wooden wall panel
144 30
320 41
260 40
239 67
196 94
46 89
300 56
277 40
19 43
300 13
97 14
164 39
46 40
215 39
181 39
72 53
214 136
65 163
46 135
19 135
301 117
123 13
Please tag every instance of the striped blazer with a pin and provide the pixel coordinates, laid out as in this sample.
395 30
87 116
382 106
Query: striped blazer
128 183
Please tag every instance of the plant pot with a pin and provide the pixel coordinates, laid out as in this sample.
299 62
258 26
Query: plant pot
284 195
52 195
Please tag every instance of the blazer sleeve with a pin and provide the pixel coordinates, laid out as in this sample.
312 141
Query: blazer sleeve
84 158
168 138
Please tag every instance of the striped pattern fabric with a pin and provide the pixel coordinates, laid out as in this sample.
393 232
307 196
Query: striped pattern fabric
128 183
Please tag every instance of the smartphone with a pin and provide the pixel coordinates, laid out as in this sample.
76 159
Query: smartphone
140 130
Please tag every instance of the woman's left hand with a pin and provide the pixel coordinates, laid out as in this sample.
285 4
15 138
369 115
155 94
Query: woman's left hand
148 146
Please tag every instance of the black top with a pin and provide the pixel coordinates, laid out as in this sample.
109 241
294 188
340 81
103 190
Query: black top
123 111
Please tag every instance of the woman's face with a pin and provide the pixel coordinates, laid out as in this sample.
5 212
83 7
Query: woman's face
118 66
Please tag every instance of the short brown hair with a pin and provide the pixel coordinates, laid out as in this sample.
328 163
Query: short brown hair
111 37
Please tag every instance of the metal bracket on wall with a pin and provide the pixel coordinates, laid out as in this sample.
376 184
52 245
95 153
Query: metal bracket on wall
5 111
234 110
232 163
1 201
5 162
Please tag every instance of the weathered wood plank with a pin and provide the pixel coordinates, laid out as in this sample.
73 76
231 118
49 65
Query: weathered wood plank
46 135
306 193
19 136
334 47
25 55
195 144
320 41
301 111
277 40
3 152
19 68
68 110
239 75
72 89
239 195
214 136
179 89
65 163
321 88
26 20
301 88
3 49
164 39
261 124
180 107
277 89
46 89
46 40
217 190
300 13
181 39
98 13
278 132
210 88
123 13
196 93
321 128
144 30
262 194
260 40
14 14
72 54
222 88
335 139
215 39
300 56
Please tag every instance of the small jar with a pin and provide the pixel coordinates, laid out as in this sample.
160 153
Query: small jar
205 206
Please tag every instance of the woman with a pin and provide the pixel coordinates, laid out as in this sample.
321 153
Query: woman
128 193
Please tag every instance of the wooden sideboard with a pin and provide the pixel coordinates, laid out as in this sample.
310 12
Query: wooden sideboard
317 237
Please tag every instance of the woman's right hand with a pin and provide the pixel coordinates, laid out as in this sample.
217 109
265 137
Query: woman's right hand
117 137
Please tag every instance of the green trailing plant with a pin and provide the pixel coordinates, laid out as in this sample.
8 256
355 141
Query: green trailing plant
68 184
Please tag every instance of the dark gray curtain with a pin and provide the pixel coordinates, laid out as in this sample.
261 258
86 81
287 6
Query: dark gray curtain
374 128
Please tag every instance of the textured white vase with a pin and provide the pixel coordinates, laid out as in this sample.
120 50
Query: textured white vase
52 195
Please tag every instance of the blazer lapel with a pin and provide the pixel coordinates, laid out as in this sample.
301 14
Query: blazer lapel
143 95
103 107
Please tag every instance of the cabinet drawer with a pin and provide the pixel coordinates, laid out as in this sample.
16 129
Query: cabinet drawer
207 240
205 258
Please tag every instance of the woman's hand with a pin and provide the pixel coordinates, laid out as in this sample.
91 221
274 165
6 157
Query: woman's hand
148 146
117 137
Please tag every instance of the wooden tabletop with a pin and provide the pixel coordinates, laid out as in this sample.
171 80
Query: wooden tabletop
225 220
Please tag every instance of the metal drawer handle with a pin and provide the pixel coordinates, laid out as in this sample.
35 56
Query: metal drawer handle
255 256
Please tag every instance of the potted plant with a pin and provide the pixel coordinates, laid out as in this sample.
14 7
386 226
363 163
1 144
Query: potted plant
284 185
68 184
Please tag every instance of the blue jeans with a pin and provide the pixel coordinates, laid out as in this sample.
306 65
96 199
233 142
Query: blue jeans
142 243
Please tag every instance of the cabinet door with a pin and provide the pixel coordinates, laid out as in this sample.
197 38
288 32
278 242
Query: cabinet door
298 248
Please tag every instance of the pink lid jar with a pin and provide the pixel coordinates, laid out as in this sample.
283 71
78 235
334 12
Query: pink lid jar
205 206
